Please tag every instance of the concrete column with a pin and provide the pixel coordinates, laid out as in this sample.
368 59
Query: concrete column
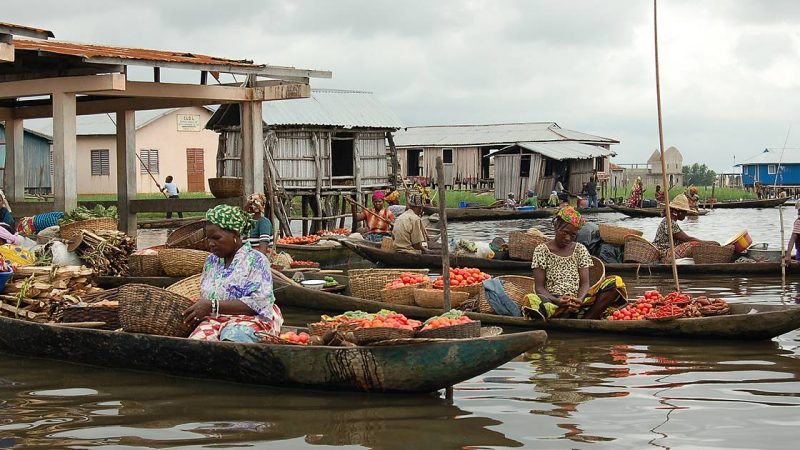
64 152
126 170
252 147
14 177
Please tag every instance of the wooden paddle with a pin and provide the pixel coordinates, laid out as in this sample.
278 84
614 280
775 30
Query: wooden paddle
277 274
388 222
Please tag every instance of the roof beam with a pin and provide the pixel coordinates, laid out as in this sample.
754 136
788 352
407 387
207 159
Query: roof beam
7 28
110 105
46 86
261 70
6 51
146 89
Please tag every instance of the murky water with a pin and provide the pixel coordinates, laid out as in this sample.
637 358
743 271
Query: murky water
579 391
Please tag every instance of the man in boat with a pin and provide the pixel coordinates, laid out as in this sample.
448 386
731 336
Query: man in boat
409 232
510 203
693 198
236 297
679 207
379 219
531 199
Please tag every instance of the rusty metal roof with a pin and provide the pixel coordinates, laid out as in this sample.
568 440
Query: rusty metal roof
490 134
23 30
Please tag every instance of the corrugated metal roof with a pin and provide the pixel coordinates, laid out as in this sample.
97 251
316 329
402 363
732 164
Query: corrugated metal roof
560 150
24 30
100 124
332 107
773 156
493 134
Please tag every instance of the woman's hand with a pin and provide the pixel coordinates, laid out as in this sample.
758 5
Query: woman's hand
571 302
197 312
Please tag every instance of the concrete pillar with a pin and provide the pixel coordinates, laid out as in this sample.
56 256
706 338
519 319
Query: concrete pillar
14 177
252 147
126 170
64 152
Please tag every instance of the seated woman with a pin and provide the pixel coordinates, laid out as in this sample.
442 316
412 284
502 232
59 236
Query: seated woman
679 206
236 285
561 270
379 219
5 211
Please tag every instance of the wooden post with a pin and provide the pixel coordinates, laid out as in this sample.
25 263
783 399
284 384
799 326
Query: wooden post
252 144
14 178
395 162
317 225
343 209
64 152
126 171
304 213
443 231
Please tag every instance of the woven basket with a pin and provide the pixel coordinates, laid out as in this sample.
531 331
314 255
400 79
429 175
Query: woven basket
597 272
639 250
516 287
461 331
188 287
192 236
368 283
615 235
91 312
521 245
403 295
181 262
715 312
434 298
369 335
145 265
712 253
150 310
226 187
387 243
72 230
527 284
321 328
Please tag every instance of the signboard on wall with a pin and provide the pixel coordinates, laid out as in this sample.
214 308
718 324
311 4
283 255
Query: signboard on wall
188 122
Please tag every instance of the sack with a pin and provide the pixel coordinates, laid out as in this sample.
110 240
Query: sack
62 256
610 253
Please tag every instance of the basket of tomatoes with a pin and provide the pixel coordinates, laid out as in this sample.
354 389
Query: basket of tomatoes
400 291
465 279
298 240
384 326
450 325
632 311
304 265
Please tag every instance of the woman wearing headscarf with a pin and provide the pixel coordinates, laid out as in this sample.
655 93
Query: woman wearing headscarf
393 199
693 197
260 237
635 200
236 285
561 270
679 207
378 219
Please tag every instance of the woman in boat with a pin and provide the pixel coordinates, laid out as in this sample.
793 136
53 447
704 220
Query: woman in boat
561 270
511 203
531 199
393 199
693 198
659 194
236 285
635 200
679 207
260 236
379 219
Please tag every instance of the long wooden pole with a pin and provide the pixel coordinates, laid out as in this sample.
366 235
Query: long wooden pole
780 217
661 143
443 231
367 210
151 175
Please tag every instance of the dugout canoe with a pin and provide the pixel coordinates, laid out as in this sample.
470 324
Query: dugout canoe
650 212
326 256
421 367
478 214
746 321
759 268
763 203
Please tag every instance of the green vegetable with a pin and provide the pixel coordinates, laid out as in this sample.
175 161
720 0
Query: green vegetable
452 314
82 213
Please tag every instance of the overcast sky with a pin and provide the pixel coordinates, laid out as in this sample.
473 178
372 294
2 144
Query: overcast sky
730 69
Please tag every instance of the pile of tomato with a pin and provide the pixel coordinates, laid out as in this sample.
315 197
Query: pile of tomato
388 320
667 311
462 277
299 240
334 232
633 311
406 279
300 263
442 322
301 338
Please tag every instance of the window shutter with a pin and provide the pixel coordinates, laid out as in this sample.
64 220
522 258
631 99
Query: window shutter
99 161
149 161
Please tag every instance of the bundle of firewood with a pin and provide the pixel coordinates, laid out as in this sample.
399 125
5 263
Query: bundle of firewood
39 293
106 251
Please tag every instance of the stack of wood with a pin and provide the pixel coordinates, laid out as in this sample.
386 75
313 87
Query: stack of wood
39 293
106 251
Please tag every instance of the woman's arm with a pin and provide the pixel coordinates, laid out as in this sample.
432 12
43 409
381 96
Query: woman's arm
583 290
683 237
541 290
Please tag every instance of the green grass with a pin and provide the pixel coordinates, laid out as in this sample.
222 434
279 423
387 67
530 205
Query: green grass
453 198
721 194
148 196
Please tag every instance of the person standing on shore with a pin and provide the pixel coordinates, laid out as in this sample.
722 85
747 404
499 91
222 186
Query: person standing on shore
172 192
591 192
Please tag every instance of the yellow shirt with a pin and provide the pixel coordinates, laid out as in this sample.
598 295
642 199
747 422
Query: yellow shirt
408 231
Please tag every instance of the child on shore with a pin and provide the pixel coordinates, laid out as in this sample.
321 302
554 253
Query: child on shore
172 192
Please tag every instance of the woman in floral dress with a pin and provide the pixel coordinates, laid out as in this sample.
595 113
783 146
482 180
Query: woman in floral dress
236 286
635 200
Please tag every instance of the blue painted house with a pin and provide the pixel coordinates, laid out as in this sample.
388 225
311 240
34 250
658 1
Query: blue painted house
769 169
38 169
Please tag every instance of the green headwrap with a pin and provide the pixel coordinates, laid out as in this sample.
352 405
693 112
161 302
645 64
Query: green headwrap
230 218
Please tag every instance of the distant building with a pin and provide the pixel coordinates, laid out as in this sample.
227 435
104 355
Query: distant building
771 167
651 171
38 165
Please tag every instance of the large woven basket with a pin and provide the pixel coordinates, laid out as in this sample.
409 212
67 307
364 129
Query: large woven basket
182 262
145 265
226 187
387 243
188 287
90 311
434 298
640 250
521 245
368 283
461 331
369 335
615 235
72 230
403 295
150 310
597 272
712 253
192 236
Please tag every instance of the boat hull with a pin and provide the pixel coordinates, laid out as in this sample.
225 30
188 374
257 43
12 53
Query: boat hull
327 257
765 203
650 212
424 367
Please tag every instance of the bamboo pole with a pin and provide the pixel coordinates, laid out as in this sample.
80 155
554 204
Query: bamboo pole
661 144
443 231
368 210
780 216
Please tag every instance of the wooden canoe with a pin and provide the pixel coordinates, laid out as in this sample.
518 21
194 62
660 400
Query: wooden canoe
650 212
764 203
421 367
747 321
760 268
478 214
326 256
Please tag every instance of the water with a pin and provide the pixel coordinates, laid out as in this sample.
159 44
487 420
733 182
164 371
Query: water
579 391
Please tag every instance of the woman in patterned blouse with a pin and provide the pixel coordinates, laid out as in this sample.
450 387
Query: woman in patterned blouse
236 285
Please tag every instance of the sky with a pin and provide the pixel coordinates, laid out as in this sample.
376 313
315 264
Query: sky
729 68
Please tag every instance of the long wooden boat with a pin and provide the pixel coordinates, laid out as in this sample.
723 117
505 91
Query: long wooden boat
419 367
326 256
746 321
433 261
763 203
478 214
650 212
